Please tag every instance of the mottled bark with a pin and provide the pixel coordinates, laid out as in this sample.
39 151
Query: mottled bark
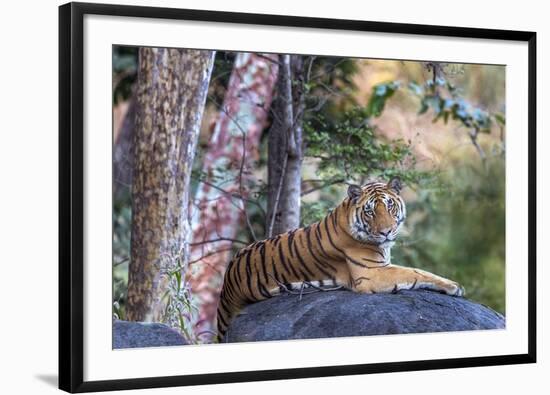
171 93
123 153
228 164
285 149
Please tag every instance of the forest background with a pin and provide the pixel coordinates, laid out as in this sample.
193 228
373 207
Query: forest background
281 137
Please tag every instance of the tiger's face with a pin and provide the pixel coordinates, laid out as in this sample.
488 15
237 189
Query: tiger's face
376 212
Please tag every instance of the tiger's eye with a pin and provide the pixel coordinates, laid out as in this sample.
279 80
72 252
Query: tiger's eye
390 203
369 212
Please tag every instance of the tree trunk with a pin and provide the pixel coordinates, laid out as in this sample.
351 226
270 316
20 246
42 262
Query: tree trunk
285 149
172 89
231 157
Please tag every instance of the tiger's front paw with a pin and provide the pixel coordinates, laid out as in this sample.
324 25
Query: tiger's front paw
454 289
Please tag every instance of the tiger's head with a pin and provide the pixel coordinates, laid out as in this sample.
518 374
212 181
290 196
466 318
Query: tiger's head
376 212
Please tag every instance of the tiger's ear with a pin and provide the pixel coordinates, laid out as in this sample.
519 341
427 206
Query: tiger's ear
354 192
395 184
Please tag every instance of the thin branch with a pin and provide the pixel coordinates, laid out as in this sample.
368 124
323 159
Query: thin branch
231 118
313 180
473 137
119 77
326 184
308 74
210 254
219 239
332 91
269 59
320 104
277 197
119 182
224 110
121 261
231 194
219 76
329 70
241 170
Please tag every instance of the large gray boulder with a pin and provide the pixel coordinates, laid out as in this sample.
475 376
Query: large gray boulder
345 313
128 334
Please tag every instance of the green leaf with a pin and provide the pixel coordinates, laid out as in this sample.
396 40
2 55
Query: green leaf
380 94
416 89
423 107
501 120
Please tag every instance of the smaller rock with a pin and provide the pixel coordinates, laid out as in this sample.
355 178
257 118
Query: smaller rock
128 334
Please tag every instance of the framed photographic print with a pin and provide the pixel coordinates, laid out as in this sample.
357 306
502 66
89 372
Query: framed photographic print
253 197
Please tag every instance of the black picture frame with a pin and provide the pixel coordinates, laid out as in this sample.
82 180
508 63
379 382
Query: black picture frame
71 197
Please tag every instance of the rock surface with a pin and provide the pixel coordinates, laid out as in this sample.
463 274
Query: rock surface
128 334
345 313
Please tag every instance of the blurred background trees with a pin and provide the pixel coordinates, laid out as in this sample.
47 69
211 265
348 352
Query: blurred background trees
221 201
281 136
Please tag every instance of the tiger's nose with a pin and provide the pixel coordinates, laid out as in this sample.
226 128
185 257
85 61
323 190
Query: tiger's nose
385 232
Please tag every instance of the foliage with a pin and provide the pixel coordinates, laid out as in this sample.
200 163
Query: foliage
329 85
180 312
124 72
314 211
348 149
221 72
446 101
443 98
328 72
458 231
122 222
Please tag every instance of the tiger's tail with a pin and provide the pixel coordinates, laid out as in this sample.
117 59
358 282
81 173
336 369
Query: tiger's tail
225 317
228 307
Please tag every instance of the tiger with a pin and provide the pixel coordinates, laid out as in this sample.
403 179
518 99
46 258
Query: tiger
349 248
